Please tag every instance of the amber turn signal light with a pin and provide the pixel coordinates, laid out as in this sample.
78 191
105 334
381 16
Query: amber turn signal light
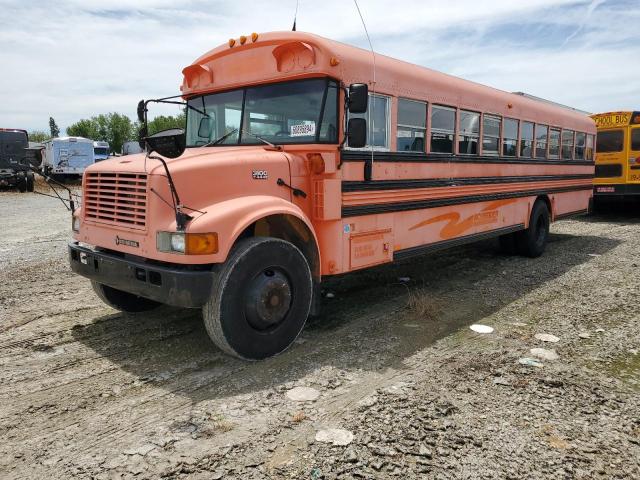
201 243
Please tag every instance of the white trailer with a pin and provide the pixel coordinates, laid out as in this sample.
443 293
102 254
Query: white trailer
67 156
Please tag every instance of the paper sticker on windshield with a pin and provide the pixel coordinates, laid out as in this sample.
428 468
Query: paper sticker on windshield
303 130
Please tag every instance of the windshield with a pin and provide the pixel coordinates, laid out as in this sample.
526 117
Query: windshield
304 111
101 151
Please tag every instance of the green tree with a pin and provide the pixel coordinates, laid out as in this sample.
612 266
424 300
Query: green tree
38 136
55 131
165 122
114 128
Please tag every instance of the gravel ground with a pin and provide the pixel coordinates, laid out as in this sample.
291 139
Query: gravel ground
87 392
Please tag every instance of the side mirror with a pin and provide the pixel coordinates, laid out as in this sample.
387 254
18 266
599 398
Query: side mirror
358 97
204 129
141 110
169 143
357 132
142 134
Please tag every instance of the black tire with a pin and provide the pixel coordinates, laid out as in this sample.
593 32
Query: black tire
123 301
30 182
508 244
532 241
260 300
21 182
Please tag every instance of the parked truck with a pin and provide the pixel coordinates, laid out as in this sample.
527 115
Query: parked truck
129 148
100 150
293 169
14 162
67 157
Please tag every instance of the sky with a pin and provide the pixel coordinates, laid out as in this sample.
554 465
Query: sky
72 59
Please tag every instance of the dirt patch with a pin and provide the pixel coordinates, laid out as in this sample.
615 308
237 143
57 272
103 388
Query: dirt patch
87 392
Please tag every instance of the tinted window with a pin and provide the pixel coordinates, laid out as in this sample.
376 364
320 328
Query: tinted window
526 140
635 139
443 121
554 143
491 135
581 139
610 141
377 121
567 144
412 119
542 132
510 137
468 133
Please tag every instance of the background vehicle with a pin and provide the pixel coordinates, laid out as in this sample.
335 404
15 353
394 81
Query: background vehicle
67 156
100 151
291 175
617 155
129 148
14 165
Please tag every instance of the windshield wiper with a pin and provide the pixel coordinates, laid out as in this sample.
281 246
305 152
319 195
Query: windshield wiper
244 132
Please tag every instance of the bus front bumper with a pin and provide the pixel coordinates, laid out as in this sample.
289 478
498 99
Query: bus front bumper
616 190
172 285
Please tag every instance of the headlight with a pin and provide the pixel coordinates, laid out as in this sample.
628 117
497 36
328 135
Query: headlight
177 242
75 224
187 243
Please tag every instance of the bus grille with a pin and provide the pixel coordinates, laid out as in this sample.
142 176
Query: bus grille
607 170
116 199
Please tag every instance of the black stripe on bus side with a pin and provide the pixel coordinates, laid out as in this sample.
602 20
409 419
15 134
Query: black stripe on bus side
358 186
416 157
455 242
373 209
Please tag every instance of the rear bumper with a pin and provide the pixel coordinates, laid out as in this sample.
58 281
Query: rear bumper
173 285
616 190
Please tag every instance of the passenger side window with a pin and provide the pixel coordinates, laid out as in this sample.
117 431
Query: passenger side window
443 124
377 117
567 144
329 125
491 134
468 133
554 143
635 139
526 140
581 139
542 132
510 137
412 123
589 152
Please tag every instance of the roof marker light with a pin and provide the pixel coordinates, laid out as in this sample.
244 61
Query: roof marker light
254 36
232 42
243 40
334 61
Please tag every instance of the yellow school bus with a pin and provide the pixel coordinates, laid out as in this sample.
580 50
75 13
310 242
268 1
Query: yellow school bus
617 155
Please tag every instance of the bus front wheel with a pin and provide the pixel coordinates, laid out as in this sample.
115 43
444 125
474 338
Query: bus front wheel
532 241
260 299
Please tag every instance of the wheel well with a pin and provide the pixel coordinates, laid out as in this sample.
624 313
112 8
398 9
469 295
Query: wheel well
291 229
545 199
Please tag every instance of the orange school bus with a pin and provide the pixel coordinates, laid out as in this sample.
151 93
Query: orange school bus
618 155
294 167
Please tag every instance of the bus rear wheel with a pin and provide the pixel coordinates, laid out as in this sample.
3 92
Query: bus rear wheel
123 301
533 241
260 299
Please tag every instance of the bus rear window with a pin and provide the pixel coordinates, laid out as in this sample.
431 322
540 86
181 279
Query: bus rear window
635 139
610 141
